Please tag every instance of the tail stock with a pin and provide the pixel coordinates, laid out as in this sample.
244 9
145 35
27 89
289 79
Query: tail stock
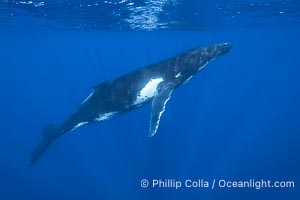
50 134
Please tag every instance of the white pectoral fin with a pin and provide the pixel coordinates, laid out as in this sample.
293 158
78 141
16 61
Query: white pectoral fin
158 106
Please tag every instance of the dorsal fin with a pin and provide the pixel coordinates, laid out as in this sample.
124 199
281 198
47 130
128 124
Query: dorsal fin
101 86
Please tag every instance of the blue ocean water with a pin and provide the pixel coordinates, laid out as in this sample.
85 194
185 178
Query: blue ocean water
237 120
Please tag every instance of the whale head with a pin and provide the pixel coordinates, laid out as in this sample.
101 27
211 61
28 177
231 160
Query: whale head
190 62
215 50
197 58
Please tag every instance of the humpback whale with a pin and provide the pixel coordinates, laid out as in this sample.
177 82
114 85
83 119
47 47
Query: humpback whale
154 83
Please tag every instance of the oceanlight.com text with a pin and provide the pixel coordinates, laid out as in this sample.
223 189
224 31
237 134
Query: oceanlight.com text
215 183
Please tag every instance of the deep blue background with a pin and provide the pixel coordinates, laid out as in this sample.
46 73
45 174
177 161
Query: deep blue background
237 119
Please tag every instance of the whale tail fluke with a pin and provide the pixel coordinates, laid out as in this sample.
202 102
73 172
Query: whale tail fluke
50 134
